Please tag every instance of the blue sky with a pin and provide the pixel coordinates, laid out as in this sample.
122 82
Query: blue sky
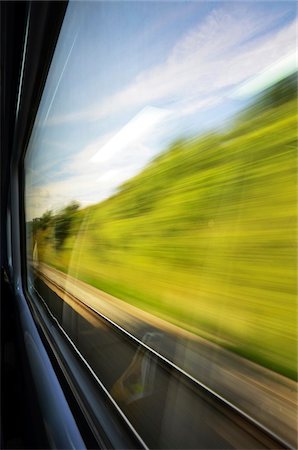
128 78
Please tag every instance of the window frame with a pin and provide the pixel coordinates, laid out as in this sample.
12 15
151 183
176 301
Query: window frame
80 401
76 408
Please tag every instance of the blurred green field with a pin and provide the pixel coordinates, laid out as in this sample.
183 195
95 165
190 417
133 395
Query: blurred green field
205 235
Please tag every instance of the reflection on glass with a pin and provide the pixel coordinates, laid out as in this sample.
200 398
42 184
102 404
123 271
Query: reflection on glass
161 192
138 379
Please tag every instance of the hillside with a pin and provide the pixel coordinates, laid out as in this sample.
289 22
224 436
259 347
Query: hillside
205 235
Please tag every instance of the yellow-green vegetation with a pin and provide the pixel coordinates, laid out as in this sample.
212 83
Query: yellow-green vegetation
205 235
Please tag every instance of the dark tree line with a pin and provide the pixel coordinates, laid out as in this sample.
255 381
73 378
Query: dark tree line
60 222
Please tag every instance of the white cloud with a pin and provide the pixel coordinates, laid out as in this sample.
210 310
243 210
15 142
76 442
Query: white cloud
101 167
207 63
133 132
231 45
190 106
92 185
56 195
282 68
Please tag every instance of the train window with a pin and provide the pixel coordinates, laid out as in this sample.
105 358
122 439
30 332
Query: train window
160 198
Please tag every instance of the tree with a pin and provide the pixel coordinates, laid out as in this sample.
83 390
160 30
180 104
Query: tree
46 220
63 221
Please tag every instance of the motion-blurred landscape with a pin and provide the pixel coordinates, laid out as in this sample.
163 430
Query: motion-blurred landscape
203 237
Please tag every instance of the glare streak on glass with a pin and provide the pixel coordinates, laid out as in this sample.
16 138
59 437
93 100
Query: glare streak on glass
58 84
161 191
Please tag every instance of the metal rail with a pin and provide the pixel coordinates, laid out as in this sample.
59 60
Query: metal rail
168 363
99 382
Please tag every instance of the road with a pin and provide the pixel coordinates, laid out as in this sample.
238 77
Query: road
269 398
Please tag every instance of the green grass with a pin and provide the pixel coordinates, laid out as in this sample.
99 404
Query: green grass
204 237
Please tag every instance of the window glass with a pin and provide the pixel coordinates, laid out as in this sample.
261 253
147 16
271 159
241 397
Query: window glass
161 212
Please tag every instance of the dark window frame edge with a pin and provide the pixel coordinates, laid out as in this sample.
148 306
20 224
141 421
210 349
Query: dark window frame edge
62 430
